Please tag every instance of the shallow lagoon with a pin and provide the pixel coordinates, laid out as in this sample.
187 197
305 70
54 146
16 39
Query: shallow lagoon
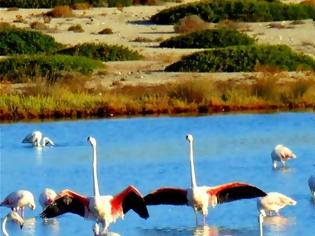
152 152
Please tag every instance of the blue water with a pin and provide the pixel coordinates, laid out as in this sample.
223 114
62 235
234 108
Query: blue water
152 152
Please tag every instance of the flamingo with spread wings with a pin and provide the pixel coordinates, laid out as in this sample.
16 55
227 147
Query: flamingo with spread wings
200 197
104 209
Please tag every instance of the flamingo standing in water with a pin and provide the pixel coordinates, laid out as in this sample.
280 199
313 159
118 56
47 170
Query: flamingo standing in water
311 184
18 200
46 197
15 217
104 209
37 140
273 202
199 198
281 154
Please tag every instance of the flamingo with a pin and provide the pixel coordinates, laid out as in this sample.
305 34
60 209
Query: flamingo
18 200
37 140
200 197
104 209
281 154
46 197
273 202
15 217
311 184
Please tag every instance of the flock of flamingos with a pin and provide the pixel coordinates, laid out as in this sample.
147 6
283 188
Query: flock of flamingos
106 209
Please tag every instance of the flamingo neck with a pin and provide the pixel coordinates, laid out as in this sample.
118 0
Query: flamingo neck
95 181
43 144
4 231
192 167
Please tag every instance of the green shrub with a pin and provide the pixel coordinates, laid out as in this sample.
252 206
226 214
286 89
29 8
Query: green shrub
119 3
243 58
21 41
211 38
25 68
239 10
46 3
102 52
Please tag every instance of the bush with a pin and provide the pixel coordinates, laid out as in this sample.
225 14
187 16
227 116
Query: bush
76 28
81 6
60 11
102 52
38 25
21 69
21 41
211 38
243 58
119 3
47 3
106 31
239 10
189 24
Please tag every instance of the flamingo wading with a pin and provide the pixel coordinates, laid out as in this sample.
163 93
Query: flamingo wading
37 140
104 209
273 202
281 154
200 197
18 200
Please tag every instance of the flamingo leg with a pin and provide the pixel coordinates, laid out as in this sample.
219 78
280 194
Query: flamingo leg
204 220
22 212
274 164
196 217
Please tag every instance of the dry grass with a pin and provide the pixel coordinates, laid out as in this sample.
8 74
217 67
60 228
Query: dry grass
81 6
76 28
71 98
189 24
280 26
19 19
230 24
13 9
38 25
60 11
106 31
309 2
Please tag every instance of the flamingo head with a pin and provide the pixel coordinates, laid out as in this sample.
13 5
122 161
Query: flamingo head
32 205
15 217
47 197
189 138
91 140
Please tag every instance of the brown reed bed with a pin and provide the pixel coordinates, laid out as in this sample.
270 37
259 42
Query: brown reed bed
70 99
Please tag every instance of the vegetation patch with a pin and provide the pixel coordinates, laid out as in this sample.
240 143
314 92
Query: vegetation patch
189 24
60 11
119 3
239 10
76 28
211 38
243 58
72 100
50 68
47 3
102 52
21 41
106 31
